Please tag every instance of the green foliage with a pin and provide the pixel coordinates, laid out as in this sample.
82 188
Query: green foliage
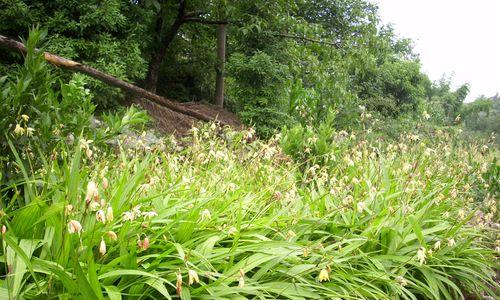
383 220
482 115
259 91
108 35
38 110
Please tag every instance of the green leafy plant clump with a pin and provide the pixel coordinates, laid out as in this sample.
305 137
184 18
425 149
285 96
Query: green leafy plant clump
220 216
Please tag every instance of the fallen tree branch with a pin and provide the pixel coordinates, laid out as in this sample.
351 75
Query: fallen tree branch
106 78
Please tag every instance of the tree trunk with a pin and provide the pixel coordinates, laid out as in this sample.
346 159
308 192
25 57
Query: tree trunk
165 41
221 59
111 80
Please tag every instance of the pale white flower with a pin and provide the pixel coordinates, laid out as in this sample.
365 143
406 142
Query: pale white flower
205 215
74 227
437 245
149 214
128 216
136 210
18 130
290 234
68 209
94 206
92 191
425 115
323 275
193 277
241 280
105 183
361 206
29 131
100 216
401 280
451 242
109 214
421 256
25 117
102 247
232 231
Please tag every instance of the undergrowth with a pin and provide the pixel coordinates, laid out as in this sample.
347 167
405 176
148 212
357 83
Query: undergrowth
223 216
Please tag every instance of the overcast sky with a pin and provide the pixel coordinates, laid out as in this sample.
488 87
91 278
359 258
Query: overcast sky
456 37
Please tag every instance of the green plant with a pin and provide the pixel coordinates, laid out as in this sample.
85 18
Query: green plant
225 216
36 109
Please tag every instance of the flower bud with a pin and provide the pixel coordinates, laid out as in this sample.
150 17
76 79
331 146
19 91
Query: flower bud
112 235
102 247
109 214
105 183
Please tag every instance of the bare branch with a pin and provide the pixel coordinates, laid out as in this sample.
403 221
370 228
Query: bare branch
205 21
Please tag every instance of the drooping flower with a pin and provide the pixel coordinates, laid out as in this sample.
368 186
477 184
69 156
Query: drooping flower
149 214
178 283
128 216
437 245
102 247
100 216
421 256
425 115
18 130
206 215
305 252
324 276
88 152
74 227
241 280
451 242
145 243
109 214
25 118
29 131
361 206
4 229
68 209
232 231
112 235
193 277
105 183
402 281
94 206
92 192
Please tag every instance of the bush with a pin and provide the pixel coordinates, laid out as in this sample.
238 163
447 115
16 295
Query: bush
36 109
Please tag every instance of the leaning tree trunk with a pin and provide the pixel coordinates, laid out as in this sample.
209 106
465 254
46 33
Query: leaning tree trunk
106 78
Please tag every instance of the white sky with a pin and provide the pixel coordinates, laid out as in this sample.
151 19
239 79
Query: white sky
453 37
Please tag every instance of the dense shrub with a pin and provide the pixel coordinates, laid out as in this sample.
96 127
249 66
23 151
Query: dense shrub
37 110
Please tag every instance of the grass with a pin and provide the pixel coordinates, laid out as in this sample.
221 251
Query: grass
239 219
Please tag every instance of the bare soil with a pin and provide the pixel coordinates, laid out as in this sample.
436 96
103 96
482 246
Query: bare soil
172 122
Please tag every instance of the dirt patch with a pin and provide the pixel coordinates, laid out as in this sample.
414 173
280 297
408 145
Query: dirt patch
172 122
